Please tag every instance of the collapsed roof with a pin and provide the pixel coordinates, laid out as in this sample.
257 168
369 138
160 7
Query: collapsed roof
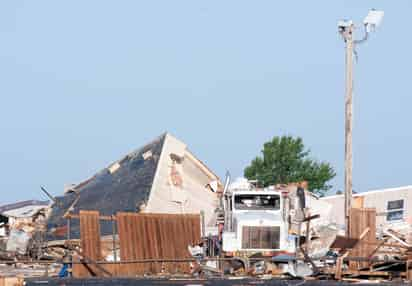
123 186
23 209
161 177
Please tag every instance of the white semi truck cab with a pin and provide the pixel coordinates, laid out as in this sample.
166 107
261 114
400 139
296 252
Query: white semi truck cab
255 221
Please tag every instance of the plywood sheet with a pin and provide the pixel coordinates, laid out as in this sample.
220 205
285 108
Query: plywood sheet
360 220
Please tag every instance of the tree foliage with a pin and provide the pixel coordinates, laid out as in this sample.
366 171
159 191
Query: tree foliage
285 160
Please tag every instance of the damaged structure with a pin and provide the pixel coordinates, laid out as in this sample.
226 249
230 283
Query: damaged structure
124 221
20 223
393 209
393 205
161 177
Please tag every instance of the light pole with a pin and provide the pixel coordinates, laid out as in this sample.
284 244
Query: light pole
347 30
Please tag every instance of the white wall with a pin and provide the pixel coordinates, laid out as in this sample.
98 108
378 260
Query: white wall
338 213
376 199
189 197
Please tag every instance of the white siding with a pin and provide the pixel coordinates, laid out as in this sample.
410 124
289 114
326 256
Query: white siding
376 199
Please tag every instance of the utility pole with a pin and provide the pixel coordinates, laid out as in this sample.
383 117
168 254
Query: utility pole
347 29
348 124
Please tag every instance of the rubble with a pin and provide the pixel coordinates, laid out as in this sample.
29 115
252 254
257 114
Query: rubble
20 226
149 244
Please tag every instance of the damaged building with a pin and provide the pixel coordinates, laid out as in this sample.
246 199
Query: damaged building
393 210
161 177
393 205
18 222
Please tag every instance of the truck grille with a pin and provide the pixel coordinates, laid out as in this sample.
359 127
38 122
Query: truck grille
260 237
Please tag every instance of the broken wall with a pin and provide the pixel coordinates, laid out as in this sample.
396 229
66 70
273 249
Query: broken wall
378 199
180 183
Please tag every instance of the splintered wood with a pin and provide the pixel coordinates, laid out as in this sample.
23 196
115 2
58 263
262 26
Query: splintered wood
11 281
141 236
362 227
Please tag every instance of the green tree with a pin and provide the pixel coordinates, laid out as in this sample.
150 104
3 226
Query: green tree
286 160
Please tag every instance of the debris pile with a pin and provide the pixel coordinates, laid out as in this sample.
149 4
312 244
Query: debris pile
168 215
22 228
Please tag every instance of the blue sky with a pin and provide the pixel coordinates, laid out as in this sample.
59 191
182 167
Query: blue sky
84 82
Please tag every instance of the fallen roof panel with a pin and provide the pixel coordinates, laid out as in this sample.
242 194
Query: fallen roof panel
108 192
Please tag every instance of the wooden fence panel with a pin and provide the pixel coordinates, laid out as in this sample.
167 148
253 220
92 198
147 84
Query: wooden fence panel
141 236
362 219
152 236
90 244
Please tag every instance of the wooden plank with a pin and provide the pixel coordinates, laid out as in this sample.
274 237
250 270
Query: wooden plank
92 265
90 244
76 216
144 249
156 243
167 251
308 237
364 233
182 244
408 267
125 248
171 223
11 281
135 241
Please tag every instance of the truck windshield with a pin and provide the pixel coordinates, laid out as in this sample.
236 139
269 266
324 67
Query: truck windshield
257 202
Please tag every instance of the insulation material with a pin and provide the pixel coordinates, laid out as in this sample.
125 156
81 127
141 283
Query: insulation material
323 230
147 155
322 240
314 206
18 241
178 192
113 168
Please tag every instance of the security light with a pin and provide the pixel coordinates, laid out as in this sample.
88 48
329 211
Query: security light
344 24
373 20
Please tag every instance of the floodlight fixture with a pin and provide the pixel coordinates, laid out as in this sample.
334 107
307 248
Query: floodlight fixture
373 20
